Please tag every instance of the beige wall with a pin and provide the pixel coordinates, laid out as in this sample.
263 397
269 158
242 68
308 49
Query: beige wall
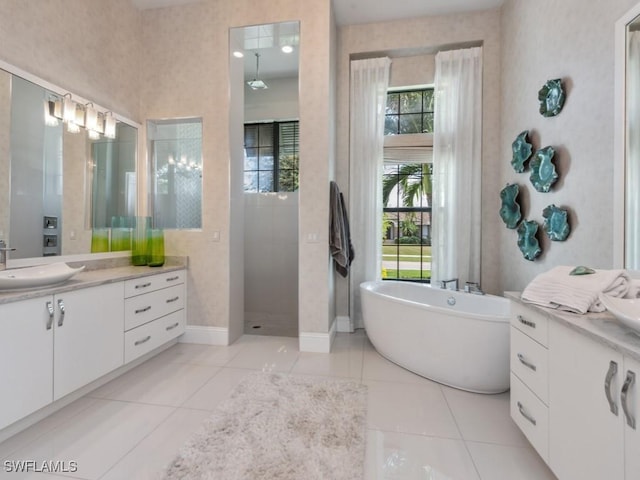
89 47
425 36
186 73
543 40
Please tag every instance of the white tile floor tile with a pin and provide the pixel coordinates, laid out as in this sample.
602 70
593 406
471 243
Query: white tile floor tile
505 462
484 418
133 426
402 456
410 408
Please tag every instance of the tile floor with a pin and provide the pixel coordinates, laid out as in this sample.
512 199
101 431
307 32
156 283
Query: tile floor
417 429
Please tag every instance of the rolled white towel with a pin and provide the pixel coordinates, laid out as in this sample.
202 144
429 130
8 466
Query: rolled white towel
577 293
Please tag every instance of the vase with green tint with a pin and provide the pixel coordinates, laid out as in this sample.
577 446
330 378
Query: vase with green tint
120 239
140 241
156 247
99 240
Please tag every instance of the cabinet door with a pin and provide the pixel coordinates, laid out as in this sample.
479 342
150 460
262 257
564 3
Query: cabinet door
89 336
585 437
631 413
26 358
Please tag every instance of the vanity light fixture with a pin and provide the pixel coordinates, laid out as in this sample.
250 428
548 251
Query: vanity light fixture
68 108
256 84
109 125
50 117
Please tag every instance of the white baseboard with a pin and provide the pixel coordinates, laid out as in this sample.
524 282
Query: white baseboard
343 323
317 342
205 335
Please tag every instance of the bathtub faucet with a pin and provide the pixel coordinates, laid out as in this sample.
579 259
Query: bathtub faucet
444 283
473 287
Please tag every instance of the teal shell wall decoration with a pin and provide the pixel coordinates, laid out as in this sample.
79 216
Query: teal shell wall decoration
510 209
521 151
555 224
527 241
543 171
551 97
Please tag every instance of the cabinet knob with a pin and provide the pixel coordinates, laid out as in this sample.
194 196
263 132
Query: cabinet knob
526 363
62 312
523 321
525 414
613 370
51 314
628 382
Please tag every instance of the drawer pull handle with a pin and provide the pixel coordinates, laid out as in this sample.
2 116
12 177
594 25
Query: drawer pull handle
62 312
613 370
528 323
174 299
628 382
142 310
144 340
173 279
525 414
51 313
143 285
526 363
171 327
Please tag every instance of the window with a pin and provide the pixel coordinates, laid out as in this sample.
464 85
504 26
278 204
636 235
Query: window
407 186
409 111
271 157
175 149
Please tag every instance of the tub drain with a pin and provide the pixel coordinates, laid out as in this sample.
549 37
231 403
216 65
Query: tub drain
451 301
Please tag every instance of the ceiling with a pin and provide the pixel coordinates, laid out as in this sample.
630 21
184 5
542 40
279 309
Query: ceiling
350 12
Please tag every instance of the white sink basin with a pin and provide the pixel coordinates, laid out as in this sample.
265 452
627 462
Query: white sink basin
39 276
626 310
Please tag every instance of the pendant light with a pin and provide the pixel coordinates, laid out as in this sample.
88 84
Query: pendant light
257 84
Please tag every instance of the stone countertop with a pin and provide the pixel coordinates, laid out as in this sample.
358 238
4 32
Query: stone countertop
601 327
93 276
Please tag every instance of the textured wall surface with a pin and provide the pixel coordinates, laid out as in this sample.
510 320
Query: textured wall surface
544 40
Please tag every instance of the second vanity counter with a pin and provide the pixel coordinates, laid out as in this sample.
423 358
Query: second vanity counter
602 327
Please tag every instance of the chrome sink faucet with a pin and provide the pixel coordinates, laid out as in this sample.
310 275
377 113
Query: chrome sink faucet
444 284
4 254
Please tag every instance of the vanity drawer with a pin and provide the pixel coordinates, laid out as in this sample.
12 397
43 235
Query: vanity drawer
144 308
531 415
138 286
529 361
151 335
530 322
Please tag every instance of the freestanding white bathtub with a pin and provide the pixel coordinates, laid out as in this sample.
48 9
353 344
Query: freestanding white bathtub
455 338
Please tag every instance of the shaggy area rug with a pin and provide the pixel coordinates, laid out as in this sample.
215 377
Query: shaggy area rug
277 426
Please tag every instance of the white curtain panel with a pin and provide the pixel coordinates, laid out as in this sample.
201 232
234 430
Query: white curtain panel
632 174
368 99
457 143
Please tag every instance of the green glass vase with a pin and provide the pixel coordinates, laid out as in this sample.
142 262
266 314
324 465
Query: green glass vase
99 240
140 241
156 247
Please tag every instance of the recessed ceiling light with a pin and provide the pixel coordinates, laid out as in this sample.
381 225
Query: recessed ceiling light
287 48
238 54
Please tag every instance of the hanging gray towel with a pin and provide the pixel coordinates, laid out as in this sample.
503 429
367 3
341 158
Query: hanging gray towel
339 236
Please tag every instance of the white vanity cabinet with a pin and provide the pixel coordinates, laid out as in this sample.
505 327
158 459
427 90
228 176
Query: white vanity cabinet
26 358
586 438
87 336
575 396
154 312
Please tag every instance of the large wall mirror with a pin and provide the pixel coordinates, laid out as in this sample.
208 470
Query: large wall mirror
60 177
